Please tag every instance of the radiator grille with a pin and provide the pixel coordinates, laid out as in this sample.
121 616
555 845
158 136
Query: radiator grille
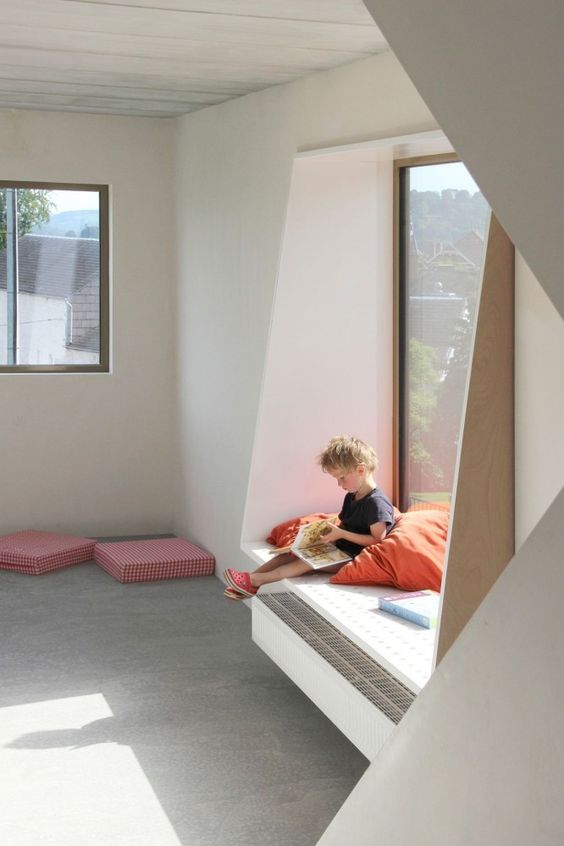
378 685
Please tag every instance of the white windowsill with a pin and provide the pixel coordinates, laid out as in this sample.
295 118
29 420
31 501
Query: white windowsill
404 649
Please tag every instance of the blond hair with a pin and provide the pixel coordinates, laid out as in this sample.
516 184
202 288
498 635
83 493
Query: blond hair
345 453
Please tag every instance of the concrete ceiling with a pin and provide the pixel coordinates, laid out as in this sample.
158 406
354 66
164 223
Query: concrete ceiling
162 58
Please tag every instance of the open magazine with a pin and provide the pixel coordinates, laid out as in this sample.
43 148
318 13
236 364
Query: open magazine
311 548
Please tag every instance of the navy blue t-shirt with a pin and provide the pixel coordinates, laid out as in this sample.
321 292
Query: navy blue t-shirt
357 515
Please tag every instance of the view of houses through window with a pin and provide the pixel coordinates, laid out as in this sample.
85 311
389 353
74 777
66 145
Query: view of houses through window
443 227
50 277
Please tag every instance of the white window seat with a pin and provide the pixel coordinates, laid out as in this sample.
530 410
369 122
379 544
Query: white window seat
344 684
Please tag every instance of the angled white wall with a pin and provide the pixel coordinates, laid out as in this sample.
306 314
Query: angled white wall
539 401
329 363
492 74
92 453
478 757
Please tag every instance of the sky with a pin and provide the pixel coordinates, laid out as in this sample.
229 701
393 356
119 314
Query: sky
73 200
438 177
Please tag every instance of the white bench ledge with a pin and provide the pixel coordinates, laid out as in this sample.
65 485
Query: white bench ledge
404 649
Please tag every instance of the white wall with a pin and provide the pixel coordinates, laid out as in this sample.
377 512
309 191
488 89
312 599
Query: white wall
234 164
92 453
539 401
330 356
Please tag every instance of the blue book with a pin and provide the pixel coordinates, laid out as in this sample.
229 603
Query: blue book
419 606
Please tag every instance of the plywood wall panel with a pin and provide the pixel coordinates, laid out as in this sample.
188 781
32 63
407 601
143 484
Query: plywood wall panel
482 532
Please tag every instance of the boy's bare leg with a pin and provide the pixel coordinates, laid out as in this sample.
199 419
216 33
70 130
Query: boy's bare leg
283 571
275 561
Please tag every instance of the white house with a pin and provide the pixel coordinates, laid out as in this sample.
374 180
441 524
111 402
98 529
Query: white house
59 300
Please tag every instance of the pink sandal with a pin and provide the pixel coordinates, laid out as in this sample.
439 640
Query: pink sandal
241 582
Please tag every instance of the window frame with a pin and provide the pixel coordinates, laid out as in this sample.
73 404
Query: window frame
104 256
399 309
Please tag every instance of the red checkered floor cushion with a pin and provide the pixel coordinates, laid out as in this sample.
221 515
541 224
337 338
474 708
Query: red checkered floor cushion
36 553
152 560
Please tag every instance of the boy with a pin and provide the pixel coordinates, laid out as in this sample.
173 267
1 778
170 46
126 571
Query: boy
366 517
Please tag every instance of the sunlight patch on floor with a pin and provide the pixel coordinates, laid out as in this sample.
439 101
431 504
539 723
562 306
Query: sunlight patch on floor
65 782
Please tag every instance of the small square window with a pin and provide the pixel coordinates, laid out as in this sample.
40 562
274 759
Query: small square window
54 271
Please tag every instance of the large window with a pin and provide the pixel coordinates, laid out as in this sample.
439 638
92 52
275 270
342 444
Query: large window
442 228
53 277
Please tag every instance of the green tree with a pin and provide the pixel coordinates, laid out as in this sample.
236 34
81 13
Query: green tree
34 207
450 399
424 379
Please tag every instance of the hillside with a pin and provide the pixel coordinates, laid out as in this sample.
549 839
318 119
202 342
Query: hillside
74 224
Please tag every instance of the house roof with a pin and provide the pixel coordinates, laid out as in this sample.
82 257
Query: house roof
52 266
88 341
471 245
450 256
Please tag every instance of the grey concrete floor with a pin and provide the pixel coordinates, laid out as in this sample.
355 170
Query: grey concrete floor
143 715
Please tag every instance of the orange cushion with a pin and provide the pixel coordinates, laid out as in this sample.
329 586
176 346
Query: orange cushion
285 533
411 556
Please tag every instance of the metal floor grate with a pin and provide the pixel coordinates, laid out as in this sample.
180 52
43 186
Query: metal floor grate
379 686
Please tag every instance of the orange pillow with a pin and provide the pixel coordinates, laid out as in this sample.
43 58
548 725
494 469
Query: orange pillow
285 533
411 556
